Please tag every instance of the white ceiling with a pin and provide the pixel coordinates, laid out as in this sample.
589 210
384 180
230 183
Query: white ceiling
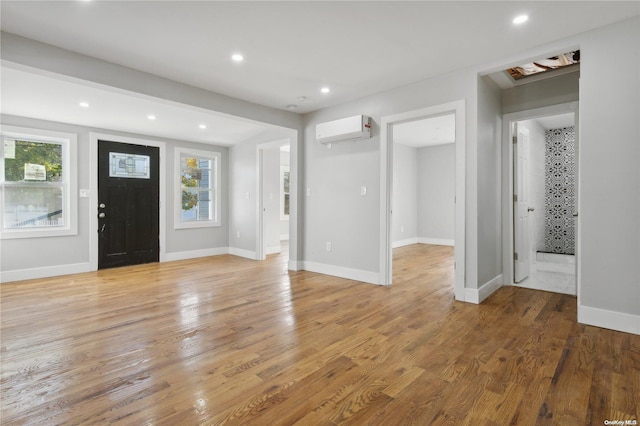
46 97
292 49
427 132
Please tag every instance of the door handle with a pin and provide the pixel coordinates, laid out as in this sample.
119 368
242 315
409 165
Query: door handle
530 209
101 206
102 215
575 214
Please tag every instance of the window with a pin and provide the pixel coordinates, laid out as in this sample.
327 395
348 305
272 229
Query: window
284 192
37 183
197 188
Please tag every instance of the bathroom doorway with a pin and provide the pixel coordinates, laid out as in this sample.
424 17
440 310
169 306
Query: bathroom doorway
545 202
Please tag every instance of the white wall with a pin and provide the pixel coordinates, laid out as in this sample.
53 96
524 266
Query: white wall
405 192
436 193
609 178
33 257
489 182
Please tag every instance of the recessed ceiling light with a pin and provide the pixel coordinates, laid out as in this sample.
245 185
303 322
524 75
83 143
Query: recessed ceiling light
151 117
84 104
203 126
520 19
292 107
236 57
325 90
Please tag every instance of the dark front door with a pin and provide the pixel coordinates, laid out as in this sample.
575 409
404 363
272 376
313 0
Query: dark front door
128 204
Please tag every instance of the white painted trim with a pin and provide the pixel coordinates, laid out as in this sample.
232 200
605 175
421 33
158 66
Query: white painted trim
477 296
437 241
386 188
405 242
339 271
284 237
273 249
192 254
243 253
612 320
93 187
44 272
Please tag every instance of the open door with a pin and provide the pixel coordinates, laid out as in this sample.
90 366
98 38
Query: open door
521 202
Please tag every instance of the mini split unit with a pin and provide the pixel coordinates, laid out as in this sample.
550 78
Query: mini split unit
345 129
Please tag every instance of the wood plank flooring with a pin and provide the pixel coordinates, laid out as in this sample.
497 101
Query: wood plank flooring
225 340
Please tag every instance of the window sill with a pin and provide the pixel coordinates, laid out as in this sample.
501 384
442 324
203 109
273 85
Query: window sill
196 225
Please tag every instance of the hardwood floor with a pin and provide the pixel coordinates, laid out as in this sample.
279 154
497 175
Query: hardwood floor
225 340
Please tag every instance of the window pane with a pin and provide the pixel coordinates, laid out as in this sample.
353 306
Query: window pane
286 181
197 196
32 161
33 206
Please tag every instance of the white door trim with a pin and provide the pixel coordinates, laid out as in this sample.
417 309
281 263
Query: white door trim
507 181
93 191
386 185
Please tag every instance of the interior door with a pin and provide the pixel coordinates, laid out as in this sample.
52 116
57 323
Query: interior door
521 203
128 206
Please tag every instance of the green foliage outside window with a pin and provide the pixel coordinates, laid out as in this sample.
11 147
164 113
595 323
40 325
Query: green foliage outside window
47 154
190 179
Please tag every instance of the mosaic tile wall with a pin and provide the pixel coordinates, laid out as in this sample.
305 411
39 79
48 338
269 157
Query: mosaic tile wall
560 184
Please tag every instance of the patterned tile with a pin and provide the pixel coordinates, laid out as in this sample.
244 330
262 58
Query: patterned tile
560 190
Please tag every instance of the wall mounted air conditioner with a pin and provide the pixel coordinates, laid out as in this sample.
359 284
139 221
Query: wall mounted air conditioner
345 129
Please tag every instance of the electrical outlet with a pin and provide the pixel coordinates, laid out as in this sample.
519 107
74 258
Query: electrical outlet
308 192
237 234
248 195
328 245
363 190
401 228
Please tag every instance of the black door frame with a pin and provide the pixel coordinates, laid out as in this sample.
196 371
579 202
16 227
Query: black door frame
93 191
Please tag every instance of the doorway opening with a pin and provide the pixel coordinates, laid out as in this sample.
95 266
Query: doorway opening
423 185
394 230
274 165
544 168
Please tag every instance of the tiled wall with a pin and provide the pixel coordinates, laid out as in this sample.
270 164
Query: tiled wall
560 191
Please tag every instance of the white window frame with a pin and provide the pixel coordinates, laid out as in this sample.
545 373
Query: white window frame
69 143
215 158
284 168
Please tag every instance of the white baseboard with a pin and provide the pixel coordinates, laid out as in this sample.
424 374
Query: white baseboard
44 272
477 296
284 237
612 320
405 242
339 271
272 250
437 241
243 253
192 254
